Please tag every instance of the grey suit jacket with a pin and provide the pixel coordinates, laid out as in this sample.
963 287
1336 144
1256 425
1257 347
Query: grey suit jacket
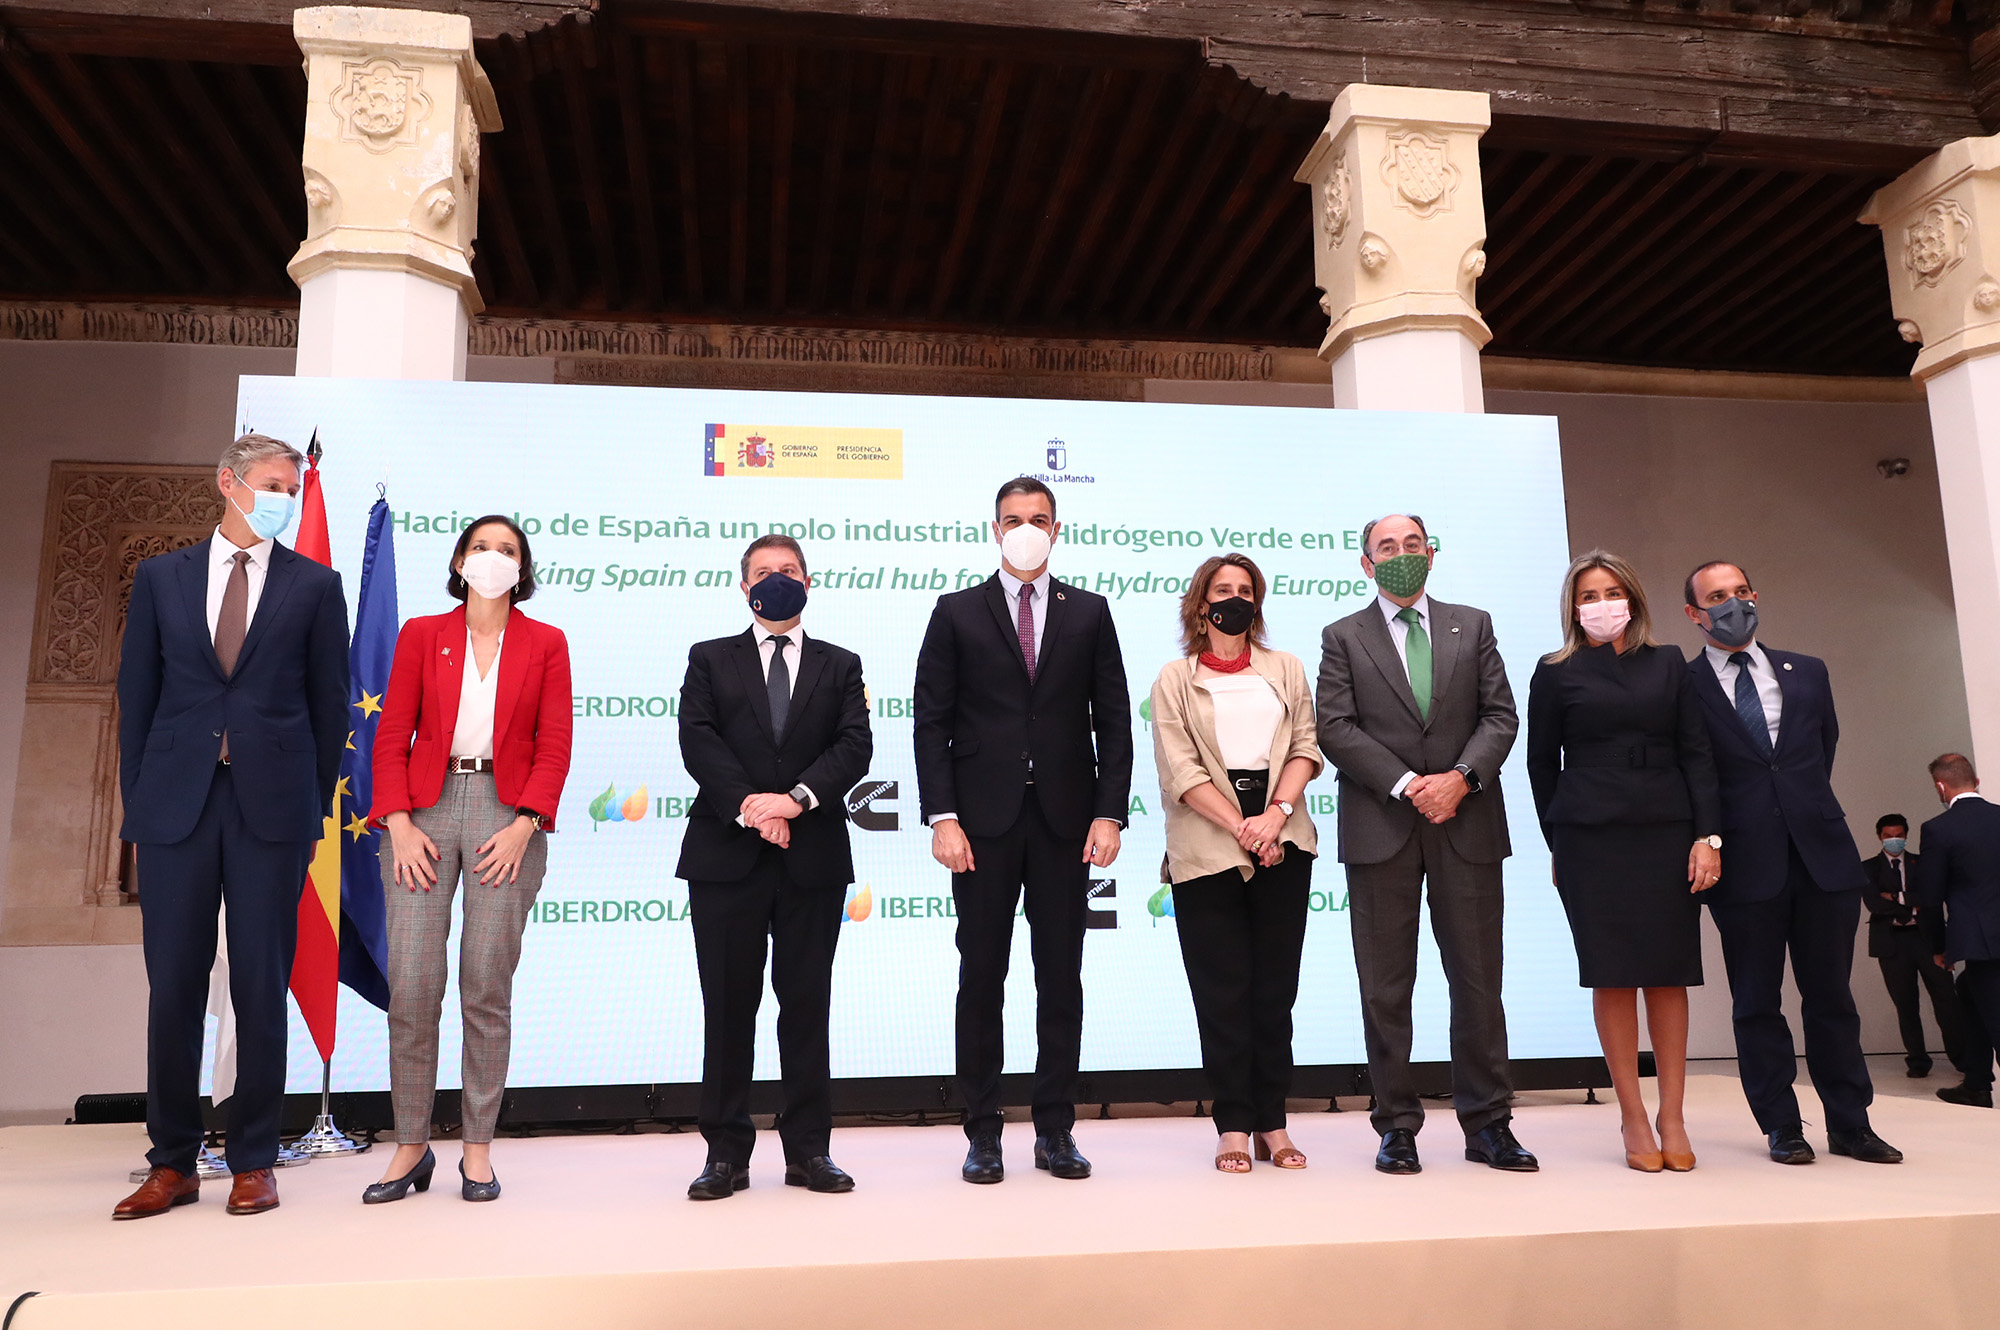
1370 731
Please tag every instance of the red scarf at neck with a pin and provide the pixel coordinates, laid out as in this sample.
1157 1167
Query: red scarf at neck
1221 666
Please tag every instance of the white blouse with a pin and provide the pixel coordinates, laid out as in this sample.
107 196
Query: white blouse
1248 713
473 735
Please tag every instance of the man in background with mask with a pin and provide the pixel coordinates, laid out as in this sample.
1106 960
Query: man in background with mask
774 730
1904 939
232 696
1791 880
1023 732
1415 713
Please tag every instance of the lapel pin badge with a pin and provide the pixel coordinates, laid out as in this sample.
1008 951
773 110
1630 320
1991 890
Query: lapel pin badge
1061 596
1788 664
1454 629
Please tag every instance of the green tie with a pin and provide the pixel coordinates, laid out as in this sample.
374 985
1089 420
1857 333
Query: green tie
1417 650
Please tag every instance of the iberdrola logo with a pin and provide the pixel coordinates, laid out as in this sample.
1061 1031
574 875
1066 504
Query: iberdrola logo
861 906
607 808
1161 904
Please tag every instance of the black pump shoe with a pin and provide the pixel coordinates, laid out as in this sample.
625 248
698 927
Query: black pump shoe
381 1193
477 1191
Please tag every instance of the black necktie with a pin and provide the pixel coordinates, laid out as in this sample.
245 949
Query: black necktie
781 686
1750 707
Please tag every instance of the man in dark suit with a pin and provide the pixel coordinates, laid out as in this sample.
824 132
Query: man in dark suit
774 730
1904 938
1415 713
1960 879
232 696
1016 679
1791 880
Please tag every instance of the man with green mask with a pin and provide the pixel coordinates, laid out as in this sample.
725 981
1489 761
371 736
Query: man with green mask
1416 715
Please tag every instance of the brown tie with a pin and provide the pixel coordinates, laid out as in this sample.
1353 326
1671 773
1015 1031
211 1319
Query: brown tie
233 621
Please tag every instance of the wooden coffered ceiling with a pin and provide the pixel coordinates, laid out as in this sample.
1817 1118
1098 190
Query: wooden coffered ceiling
773 162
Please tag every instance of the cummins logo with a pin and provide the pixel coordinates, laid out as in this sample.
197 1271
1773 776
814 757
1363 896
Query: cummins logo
1101 889
862 812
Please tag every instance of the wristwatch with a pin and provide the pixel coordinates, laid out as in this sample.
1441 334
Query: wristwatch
1712 842
1282 806
541 823
1471 778
802 796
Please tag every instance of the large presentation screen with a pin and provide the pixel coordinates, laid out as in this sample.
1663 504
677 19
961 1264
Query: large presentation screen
639 503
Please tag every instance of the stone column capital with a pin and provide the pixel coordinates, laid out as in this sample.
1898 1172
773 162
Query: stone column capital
1940 225
1399 222
395 105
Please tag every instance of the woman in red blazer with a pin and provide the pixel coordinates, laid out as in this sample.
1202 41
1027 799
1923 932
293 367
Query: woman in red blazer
470 757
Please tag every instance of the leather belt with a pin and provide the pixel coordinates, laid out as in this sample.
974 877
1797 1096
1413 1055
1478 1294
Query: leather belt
1252 787
466 766
1621 755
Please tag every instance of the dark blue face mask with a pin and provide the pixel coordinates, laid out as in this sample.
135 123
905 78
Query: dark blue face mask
1734 622
778 597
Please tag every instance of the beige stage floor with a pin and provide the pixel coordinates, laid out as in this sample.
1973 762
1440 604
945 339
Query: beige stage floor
595 1232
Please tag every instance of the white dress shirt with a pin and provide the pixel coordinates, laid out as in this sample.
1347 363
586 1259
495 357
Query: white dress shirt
1969 794
1248 712
1399 633
1902 887
1010 586
766 647
472 733
221 550
1761 674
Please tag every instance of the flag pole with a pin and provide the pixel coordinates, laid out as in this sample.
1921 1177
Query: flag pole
325 1138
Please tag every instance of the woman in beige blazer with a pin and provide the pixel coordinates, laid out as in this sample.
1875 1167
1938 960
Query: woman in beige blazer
1234 739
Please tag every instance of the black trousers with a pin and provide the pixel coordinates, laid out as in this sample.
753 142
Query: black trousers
1817 928
1032 858
1909 964
182 888
731 921
1241 942
1979 994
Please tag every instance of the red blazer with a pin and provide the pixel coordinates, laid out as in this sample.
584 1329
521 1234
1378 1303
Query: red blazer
531 715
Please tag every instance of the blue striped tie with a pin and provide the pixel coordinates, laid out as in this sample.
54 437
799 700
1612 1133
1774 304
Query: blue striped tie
1750 707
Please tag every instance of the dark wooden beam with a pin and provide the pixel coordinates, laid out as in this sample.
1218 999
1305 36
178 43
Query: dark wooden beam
832 167
972 182
906 261
524 120
736 60
680 65
1278 201
1559 238
1222 140
1525 234
1015 197
219 136
1165 163
1289 264
1114 188
36 181
497 208
638 168
896 72
1055 202
784 112
576 56
248 31
1214 244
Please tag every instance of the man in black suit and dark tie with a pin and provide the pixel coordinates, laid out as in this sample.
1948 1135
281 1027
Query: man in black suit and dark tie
1791 880
232 697
1904 938
1024 768
1960 879
774 730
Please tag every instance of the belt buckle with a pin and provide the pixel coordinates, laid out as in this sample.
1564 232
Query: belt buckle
1246 783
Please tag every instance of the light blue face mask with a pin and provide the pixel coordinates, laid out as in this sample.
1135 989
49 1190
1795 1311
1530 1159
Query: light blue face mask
1895 844
269 513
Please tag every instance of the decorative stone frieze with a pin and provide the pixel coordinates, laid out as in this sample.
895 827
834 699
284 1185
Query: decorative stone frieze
1941 235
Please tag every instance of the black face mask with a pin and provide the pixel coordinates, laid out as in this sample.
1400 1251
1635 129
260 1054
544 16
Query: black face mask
1232 617
778 597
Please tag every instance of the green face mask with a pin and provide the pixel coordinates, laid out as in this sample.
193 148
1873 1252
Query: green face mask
1404 575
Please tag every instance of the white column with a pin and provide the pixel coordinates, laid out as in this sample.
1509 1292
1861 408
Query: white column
1399 229
395 104
1941 231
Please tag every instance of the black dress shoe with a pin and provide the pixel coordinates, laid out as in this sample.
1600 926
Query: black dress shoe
718 1181
817 1174
1788 1145
1966 1093
1058 1154
1918 1073
1862 1144
1495 1147
1398 1153
982 1161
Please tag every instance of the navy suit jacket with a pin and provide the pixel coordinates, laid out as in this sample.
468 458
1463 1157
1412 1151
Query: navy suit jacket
285 707
1960 871
1788 797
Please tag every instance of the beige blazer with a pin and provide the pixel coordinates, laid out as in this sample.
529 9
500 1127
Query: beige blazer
1186 751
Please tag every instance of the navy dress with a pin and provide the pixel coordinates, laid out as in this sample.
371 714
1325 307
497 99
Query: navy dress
1624 784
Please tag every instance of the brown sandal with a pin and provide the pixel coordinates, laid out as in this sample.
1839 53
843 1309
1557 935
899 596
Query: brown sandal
1286 1157
1232 1157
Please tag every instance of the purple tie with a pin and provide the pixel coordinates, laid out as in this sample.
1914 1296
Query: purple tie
1025 624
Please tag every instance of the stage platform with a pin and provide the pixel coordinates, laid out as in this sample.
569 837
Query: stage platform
594 1233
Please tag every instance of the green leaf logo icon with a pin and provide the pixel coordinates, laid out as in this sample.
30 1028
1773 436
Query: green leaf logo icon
1161 904
604 808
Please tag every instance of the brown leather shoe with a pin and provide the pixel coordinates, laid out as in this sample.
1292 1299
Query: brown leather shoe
253 1193
162 1190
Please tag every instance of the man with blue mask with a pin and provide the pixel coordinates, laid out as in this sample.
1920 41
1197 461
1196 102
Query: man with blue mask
233 714
1791 880
774 730
1905 939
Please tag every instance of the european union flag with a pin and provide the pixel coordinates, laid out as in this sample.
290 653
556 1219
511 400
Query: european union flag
364 933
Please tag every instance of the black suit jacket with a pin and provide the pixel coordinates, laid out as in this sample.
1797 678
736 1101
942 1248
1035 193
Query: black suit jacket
979 724
727 745
285 706
1768 801
1888 920
1960 874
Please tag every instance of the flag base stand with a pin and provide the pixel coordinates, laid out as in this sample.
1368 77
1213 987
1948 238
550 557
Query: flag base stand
209 1165
325 1138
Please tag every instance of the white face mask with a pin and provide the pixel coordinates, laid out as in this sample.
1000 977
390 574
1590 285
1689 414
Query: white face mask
1025 547
490 573
1603 620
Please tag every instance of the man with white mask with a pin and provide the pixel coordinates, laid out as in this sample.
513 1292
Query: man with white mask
1024 768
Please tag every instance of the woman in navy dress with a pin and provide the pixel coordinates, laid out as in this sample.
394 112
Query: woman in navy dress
1626 791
